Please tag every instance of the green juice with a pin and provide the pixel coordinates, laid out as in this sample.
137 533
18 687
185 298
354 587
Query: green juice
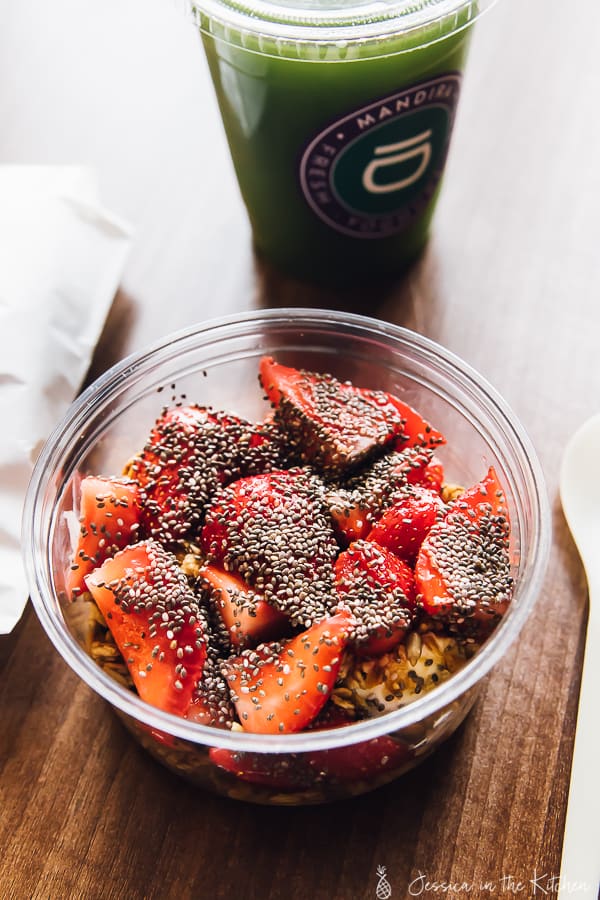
339 146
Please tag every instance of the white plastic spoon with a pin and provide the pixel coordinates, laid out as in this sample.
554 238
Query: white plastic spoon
580 496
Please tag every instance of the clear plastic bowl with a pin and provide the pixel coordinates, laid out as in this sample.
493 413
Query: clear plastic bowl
216 364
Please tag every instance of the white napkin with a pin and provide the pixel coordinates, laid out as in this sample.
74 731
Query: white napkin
61 259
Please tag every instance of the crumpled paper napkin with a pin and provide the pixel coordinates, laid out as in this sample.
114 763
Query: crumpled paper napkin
61 259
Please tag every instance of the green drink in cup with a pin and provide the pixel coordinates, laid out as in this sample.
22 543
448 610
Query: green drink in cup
338 117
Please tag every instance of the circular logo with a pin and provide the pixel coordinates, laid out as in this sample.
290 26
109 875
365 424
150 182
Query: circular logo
371 173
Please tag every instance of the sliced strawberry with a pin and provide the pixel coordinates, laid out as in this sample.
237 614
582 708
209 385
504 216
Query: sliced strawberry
273 530
211 702
160 737
378 589
403 527
247 618
192 451
331 425
280 687
278 771
290 772
109 520
356 504
486 493
430 475
153 617
360 762
352 520
287 772
462 570
416 431
331 716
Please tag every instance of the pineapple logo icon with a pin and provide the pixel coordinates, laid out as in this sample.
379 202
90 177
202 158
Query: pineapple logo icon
384 890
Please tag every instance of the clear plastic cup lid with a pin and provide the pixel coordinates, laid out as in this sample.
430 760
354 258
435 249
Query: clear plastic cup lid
326 21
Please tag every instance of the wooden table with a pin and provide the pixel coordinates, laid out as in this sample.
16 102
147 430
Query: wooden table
509 282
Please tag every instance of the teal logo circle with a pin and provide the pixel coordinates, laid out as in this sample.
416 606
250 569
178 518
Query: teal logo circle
371 173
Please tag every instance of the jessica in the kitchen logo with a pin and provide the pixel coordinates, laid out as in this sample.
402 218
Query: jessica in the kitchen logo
539 884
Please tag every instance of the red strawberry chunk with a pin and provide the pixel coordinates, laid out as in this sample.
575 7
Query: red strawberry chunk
352 519
278 771
356 504
280 687
462 570
273 530
416 431
154 619
332 716
430 475
378 589
486 495
331 425
193 451
247 617
403 527
364 761
109 517
360 762
211 702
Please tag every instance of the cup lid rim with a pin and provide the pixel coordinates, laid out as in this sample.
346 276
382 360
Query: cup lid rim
235 21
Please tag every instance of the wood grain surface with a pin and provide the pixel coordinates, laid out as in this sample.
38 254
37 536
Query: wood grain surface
510 282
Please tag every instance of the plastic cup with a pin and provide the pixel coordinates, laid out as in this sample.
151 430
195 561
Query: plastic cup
339 118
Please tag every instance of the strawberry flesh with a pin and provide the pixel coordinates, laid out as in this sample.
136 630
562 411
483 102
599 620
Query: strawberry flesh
357 503
416 431
191 452
462 570
211 702
109 520
430 475
155 621
378 589
334 426
404 526
281 687
246 616
278 771
487 494
363 761
273 531
293 772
